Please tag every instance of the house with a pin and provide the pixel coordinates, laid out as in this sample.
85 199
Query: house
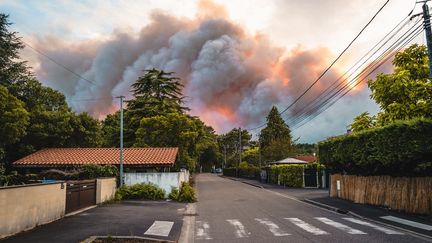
307 158
134 159
289 161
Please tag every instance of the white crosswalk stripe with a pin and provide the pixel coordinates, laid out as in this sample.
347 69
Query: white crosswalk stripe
160 228
307 227
274 228
240 230
340 226
374 226
203 230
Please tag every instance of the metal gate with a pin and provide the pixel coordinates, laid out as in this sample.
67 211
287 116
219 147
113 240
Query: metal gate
310 178
80 194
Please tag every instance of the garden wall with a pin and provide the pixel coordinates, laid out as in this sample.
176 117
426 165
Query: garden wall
164 180
105 189
27 206
409 194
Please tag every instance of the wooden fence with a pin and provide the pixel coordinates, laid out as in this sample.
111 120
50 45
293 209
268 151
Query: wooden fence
409 194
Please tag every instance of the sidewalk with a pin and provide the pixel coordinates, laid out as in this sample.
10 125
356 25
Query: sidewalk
418 224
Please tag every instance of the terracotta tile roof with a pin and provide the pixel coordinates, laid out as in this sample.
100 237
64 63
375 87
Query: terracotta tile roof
307 158
80 156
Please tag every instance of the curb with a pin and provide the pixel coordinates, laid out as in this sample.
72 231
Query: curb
328 207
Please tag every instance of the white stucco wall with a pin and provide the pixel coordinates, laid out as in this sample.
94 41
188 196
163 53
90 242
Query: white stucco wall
24 207
165 180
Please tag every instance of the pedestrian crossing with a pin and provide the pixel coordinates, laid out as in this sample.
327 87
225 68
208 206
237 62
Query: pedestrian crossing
317 226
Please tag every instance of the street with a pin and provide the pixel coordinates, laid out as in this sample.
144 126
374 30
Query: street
230 211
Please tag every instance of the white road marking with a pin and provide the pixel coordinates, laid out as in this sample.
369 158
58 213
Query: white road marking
240 230
307 227
408 222
374 226
340 226
160 228
274 228
203 230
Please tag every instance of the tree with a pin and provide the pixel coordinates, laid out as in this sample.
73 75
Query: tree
362 122
155 93
230 142
11 70
13 118
86 131
405 93
111 130
275 138
193 138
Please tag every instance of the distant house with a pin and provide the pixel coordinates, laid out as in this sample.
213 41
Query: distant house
307 158
289 161
134 159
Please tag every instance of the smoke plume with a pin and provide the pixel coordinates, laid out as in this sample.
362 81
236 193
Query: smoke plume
232 77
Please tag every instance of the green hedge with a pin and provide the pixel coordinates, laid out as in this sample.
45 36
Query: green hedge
287 175
230 172
249 172
400 149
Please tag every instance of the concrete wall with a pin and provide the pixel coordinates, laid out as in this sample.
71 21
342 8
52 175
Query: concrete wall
24 207
165 180
105 189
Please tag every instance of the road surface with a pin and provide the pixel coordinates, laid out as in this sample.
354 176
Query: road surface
231 211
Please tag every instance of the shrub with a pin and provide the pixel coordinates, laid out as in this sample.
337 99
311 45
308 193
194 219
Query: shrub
174 194
187 193
146 191
400 149
92 171
287 175
230 172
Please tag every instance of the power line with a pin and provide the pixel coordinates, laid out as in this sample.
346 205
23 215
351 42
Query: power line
350 85
406 41
59 64
330 88
331 65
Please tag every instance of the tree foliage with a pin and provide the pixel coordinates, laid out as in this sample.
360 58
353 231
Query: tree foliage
34 116
275 138
362 122
405 93
13 118
11 69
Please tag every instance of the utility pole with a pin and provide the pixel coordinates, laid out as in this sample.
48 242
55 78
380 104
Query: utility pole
240 147
224 156
427 28
259 152
121 139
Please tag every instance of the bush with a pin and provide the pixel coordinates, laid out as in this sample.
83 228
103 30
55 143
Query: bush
187 193
146 191
93 171
400 149
287 175
174 194
230 172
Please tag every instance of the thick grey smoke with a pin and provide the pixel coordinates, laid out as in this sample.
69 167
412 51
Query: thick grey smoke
231 77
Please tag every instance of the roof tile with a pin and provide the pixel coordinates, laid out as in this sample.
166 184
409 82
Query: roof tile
79 156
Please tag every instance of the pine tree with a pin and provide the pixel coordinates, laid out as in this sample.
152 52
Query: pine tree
11 69
275 137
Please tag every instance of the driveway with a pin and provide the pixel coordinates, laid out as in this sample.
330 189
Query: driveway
160 220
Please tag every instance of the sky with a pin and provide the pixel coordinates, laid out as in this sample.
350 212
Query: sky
235 58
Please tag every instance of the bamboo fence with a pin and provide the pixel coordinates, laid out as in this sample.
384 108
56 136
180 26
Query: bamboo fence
409 194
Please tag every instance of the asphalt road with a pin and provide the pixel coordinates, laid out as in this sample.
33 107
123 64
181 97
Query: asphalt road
231 211
128 218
